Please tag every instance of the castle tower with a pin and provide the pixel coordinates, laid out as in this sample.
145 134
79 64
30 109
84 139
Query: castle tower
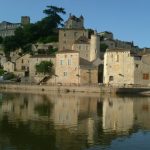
94 47
25 20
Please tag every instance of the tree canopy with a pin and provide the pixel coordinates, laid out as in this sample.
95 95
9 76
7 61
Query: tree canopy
103 47
45 67
45 30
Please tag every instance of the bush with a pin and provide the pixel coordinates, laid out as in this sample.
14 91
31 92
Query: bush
1 72
9 76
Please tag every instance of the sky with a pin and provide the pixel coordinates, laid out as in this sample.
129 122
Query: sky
128 19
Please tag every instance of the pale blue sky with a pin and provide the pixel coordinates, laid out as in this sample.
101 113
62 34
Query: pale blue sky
127 19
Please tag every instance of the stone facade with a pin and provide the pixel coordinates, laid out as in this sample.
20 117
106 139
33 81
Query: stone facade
88 75
82 45
22 63
9 66
3 59
67 67
74 22
71 69
14 55
8 29
89 49
25 20
67 37
122 67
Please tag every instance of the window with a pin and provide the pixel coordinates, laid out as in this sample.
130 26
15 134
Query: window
23 67
65 73
22 61
61 62
136 65
69 61
145 76
64 34
111 78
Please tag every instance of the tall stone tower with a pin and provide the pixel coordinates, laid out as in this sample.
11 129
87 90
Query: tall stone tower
74 22
94 47
25 20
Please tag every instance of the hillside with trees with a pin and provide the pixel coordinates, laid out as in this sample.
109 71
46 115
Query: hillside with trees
44 31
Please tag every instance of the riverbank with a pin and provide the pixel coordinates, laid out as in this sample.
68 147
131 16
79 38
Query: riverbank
32 88
56 88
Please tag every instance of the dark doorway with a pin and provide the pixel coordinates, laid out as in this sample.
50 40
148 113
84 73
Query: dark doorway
100 73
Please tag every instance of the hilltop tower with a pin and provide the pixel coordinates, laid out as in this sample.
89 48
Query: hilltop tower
25 20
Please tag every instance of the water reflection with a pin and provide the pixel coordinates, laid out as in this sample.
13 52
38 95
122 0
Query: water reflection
64 122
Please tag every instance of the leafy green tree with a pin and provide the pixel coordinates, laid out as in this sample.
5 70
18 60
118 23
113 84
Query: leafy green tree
45 30
45 67
103 47
1 71
10 44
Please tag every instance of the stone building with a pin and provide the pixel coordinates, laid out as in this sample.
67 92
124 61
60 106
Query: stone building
75 37
74 22
71 69
22 64
25 20
8 29
72 31
14 55
122 67
89 49
3 58
67 37
9 66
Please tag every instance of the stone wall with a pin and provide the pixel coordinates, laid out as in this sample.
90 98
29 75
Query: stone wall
84 50
67 37
88 76
67 67
118 68
22 63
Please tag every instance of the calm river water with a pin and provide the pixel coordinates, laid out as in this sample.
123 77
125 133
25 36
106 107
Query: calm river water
74 122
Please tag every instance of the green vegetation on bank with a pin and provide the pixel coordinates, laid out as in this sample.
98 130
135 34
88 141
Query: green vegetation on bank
44 31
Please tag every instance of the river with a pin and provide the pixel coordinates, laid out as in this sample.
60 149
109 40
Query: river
74 122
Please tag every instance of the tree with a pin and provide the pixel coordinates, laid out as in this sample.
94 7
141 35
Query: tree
10 44
103 47
48 25
45 67
45 30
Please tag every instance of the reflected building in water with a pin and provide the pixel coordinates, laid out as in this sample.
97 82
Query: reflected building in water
79 121
142 112
118 114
